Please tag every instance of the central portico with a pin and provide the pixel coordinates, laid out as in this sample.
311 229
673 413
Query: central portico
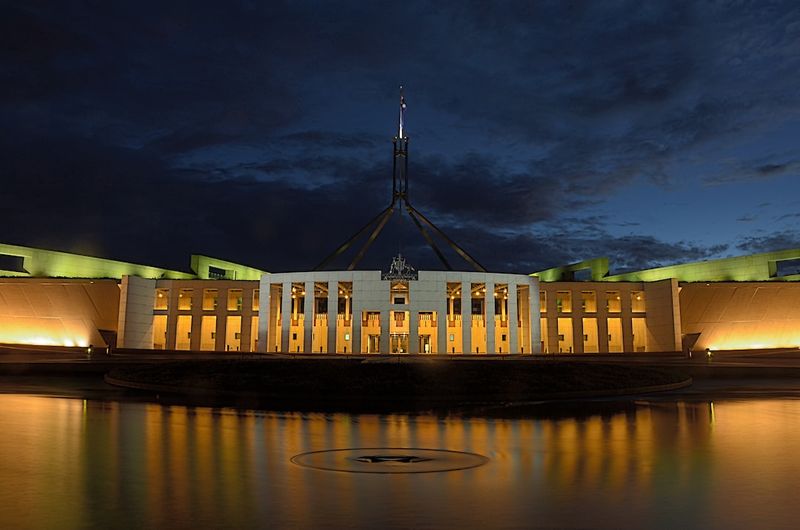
438 312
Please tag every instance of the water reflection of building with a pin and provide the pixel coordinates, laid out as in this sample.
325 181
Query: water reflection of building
54 298
70 463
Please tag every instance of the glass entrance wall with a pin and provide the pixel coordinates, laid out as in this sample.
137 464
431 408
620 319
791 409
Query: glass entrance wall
615 335
274 325
591 344
233 333
454 323
319 331
371 331
502 329
183 335
160 332
398 343
427 332
543 334
344 318
254 334
399 329
208 333
297 318
524 321
639 334
565 344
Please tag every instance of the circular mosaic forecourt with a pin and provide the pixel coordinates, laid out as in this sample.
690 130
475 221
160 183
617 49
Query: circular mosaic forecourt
389 460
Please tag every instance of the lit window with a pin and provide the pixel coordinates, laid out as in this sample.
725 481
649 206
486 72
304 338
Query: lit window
637 301
210 299
162 299
185 299
235 299
613 302
564 301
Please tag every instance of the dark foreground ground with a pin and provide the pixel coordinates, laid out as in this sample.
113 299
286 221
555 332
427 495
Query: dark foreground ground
399 384
419 385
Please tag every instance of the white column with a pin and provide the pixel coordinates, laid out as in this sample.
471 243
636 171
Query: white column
489 311
534 316
466 317
333 310
264 316
385 316
513 318
286 315
441 320
308 316
413 330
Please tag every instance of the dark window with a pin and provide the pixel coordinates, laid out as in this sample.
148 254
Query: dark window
216 273
787 267
477 307
12 263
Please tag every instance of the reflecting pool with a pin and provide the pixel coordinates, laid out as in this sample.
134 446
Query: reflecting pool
72 463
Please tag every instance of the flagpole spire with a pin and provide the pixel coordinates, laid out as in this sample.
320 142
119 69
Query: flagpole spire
402 113
399 202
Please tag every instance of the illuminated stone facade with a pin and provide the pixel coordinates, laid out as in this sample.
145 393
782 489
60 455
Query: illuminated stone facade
226 307
438 312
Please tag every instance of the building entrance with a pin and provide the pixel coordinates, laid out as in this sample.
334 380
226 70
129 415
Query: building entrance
398 343
374 344
425 344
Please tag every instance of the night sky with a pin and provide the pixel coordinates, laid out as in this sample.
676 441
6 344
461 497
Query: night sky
542 133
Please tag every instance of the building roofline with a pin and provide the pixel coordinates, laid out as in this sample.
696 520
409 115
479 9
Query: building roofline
763 266
20 261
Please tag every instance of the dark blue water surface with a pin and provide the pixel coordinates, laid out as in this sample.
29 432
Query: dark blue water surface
72 463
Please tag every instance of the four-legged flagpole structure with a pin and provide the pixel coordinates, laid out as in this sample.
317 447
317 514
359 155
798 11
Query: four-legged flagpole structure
400 200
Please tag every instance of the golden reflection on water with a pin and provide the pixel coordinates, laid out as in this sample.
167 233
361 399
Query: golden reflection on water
67 463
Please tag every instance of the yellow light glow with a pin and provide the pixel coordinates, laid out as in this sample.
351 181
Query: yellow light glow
37 339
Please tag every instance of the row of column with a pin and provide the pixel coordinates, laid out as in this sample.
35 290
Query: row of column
577 314
385 309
